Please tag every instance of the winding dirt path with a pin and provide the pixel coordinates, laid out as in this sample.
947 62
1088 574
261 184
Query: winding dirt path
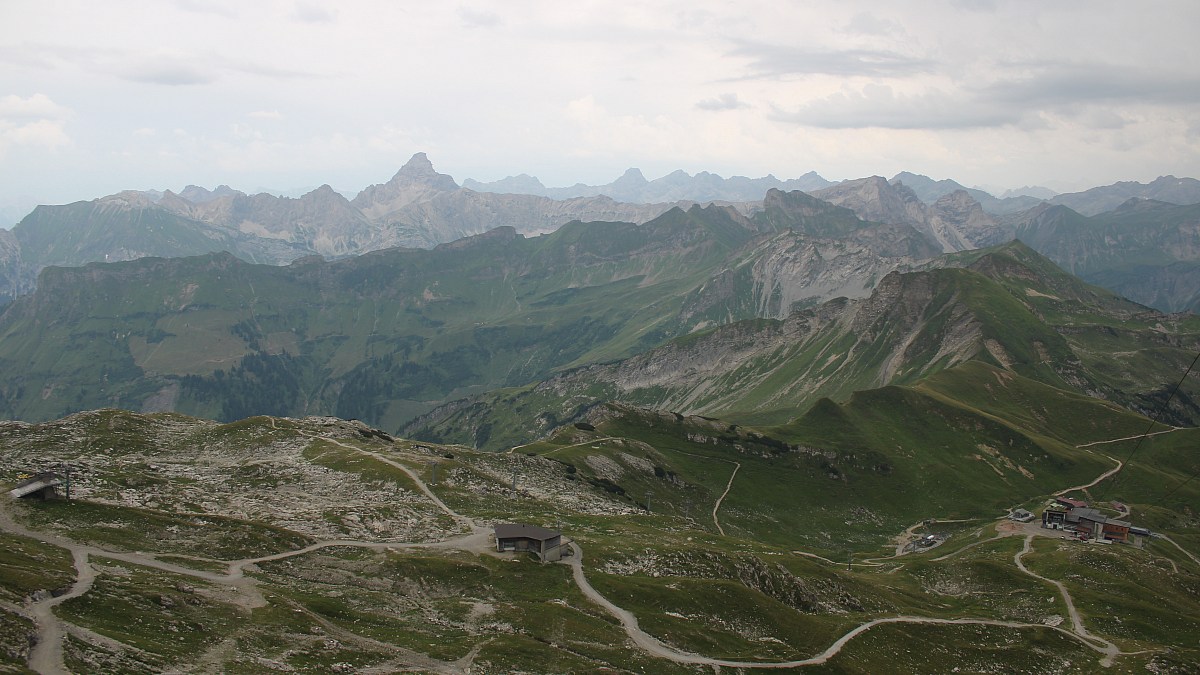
47 657
655 647
1102 476
1185 551
717 506
1129 438
728 485
1107 648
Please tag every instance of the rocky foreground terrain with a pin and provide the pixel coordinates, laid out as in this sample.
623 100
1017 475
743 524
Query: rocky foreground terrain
322 545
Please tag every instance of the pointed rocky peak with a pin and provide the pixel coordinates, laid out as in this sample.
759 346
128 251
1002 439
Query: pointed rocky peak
415 181
323 192
631 178
174 202
419 171
195 194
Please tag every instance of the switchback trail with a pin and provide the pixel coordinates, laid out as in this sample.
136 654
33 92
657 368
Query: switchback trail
1101 477
655 647
1107 648
46 657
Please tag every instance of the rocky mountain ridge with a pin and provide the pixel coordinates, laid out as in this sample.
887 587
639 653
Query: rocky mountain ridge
678 185
989 307
387 335
417 208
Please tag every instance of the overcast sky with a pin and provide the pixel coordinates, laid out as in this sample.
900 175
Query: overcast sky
96 97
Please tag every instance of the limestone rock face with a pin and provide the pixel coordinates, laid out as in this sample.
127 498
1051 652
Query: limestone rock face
415 181
955 222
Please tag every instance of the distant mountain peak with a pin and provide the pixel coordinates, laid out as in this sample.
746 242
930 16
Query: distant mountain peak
631 176
419 170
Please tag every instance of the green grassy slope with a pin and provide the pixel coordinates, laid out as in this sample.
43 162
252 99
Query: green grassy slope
816 487
1007 308
379 337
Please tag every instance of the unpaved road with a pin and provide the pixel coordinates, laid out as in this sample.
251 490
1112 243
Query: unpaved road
717 506
1107 648
652 645
46 657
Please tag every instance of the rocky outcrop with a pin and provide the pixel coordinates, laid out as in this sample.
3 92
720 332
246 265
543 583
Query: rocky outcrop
416 181
955 222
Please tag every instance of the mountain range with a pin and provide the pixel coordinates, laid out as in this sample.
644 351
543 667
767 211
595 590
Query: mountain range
420 208
799 431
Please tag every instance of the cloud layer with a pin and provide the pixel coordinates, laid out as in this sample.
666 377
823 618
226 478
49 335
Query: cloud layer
297 93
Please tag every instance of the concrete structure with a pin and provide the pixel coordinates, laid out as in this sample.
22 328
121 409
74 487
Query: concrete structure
1054 517
1020 516
42 486
547 544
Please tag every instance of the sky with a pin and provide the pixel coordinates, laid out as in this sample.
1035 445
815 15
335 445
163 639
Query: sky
99 97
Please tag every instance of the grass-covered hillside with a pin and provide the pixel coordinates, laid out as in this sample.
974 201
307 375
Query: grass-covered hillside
319 545
389 335
1005 307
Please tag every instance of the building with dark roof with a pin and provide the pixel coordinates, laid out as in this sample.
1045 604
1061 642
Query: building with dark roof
42 486
1097 525
547 544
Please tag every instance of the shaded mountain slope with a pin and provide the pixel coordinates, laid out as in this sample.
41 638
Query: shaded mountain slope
1007 307
391 334
1142 250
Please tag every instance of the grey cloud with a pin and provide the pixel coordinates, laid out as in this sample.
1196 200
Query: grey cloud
869 24
269 71
975 5
168 74
312 12
1084 92
722 102
478 18
1068 84
878 106
201 7
775 60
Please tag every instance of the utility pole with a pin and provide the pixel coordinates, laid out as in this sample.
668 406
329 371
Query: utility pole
65 469
849 558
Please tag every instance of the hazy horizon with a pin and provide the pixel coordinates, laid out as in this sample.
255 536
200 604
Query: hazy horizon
289 94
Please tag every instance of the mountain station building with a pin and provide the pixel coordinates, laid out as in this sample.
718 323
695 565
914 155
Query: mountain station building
547 544
42 486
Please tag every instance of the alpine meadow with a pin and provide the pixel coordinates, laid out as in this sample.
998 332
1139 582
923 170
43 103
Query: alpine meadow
817 388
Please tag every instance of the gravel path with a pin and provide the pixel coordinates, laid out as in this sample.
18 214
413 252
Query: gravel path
652 645
47 656
1107 648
